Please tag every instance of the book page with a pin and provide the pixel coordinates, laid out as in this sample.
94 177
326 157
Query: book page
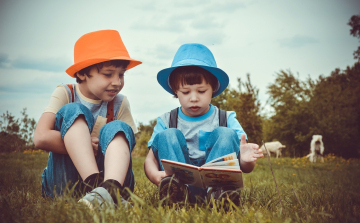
231 164
231 156
186 173
213 177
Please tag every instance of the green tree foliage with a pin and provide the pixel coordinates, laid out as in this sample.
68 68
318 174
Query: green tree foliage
355 31
336 109
16 134
142 138
330 107
244 101
291 123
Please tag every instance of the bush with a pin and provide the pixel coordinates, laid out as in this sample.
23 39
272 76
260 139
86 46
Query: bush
16 134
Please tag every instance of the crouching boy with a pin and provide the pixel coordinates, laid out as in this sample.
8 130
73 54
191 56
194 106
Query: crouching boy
192 133
88 127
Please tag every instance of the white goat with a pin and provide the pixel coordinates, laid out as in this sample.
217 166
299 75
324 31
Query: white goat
273 147
316 149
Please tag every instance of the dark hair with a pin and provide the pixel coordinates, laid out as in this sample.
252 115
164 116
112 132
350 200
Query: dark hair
191 75
115 63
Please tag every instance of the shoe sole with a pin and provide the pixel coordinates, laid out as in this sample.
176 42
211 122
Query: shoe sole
171 191
233 196
87 203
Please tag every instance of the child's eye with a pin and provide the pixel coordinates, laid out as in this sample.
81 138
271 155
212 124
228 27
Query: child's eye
202 92
185 92
107 75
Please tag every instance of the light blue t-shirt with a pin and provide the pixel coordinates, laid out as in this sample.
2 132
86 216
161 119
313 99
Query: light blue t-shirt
197 129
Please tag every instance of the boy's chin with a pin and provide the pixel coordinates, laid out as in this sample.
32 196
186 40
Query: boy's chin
108 99
194 113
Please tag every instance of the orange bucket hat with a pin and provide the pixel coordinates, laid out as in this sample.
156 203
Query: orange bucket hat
97 47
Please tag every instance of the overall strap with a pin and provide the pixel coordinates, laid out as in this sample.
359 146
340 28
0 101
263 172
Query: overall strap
222 118
173 118
110 111
72 92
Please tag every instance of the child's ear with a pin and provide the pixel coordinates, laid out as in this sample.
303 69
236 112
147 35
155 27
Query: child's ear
80 76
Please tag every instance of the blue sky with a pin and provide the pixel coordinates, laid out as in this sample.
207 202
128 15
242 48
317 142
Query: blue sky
310 38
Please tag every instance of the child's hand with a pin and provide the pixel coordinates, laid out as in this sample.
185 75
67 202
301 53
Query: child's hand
249 152
95 144
159 176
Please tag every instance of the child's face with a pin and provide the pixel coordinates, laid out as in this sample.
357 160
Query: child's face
195 99
104 84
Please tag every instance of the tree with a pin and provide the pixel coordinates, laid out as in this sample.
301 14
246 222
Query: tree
336 108
16 134
355 31
244 101
292 124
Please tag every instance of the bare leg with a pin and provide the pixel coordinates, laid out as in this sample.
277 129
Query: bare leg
117 159
78 145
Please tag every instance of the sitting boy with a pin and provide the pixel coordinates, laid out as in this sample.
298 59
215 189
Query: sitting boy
89 152
192 133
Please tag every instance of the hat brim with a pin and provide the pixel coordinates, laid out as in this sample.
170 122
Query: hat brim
83 64
223 78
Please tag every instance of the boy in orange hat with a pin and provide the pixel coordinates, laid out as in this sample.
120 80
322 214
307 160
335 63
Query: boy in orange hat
88 127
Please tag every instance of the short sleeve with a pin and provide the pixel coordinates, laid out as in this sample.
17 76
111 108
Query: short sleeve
58 99
159 127
125 115
233 123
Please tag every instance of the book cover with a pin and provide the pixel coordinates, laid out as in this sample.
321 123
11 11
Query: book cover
222 171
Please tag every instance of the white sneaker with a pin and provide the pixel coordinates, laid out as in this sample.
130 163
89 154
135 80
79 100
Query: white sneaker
99 197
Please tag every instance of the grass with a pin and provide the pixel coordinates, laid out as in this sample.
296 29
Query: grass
319 192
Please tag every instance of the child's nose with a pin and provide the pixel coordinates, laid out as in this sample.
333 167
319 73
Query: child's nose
194 97
116 80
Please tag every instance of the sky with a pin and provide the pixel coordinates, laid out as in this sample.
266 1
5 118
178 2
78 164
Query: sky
307 37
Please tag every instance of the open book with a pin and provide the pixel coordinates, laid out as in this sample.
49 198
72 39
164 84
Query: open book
223 171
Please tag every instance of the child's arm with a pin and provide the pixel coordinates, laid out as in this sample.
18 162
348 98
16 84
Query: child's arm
249 153
151 167
45 137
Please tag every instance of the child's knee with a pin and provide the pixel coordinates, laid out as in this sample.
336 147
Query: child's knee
70 113
171 133
224 132
113 130
171 136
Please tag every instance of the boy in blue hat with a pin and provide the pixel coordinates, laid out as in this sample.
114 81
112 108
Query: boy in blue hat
196 132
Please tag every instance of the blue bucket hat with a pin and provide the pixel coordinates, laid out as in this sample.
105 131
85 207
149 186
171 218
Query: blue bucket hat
194 54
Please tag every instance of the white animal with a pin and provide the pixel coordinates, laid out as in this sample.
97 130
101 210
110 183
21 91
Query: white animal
273 147
316 149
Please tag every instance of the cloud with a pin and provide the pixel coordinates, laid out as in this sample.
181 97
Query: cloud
163 51
210 5
224 6
158 23
31 81
4 60
42 64
31 63
297 41
207 37
206 22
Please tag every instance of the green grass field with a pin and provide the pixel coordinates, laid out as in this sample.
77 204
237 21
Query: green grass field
320 192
